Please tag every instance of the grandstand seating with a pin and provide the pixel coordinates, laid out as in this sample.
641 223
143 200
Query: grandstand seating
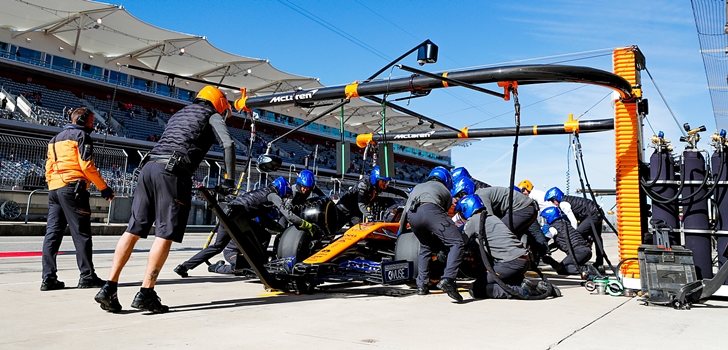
138 123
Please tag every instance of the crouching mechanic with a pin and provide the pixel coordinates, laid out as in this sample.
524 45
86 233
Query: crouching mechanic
584 215
354 204
164 192
426 212
69 169
568 240
510 258
257 204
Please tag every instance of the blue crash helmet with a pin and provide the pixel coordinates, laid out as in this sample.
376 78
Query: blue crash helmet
306 179
551 214
375 176
442 175
553 193
469 205
282 187
459 173
463 185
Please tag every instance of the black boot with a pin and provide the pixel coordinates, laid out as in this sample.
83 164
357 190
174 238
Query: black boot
91 282
181 271
107 299
216 266
149 302
448 286
51 283
477 289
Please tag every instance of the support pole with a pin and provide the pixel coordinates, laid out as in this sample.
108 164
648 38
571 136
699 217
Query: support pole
628 133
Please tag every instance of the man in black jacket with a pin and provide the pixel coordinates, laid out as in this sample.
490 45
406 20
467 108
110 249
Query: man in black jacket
164 192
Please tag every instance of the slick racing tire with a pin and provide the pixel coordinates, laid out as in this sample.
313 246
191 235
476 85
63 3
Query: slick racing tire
407 248
294 242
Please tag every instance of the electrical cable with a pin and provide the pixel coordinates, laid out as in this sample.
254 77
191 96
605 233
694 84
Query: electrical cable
597 238
659 92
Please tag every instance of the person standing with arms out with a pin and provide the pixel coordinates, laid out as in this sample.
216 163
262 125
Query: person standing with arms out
69 169
164 192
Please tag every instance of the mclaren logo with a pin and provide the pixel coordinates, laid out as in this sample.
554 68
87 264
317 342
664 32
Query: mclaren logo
294 96
423 135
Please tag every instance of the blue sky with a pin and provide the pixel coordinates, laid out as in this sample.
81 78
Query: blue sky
474 33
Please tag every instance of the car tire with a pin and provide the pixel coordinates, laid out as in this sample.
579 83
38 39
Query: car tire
294 242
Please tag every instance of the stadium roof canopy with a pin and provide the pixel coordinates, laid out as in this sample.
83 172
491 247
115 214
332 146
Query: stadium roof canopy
111 32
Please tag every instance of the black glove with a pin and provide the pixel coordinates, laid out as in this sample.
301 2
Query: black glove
107 193
226 187
229 184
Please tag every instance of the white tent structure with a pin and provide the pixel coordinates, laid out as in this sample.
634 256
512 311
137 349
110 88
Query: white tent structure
109 36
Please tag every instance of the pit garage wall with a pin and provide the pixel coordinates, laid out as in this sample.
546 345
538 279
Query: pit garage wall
628 133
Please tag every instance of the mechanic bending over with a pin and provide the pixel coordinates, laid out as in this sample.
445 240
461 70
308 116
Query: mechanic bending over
69 169
510 258
460 172
525 210
426 212
164 192
577 249
263 205
354 204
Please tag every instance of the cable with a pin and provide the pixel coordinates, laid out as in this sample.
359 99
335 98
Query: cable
568 167
588 324
594 105
679 126
601 52
486 256
336 30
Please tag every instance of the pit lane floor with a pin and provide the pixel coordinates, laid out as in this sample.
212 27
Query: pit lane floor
214 311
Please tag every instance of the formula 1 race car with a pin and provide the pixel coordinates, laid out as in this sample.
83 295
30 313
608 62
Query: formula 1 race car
365 252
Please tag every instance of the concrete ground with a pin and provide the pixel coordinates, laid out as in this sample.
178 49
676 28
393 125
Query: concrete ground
215 311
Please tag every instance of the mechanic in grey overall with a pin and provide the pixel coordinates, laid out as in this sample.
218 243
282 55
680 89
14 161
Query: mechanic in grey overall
510 258
426 212
525 210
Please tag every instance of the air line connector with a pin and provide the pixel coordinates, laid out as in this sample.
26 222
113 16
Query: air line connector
362 140
240 102
352 90
571 125
508 86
